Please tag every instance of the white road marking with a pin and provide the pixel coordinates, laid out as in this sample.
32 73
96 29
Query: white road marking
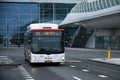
29 79
27 75
24 72
76 78
85 70
72 66
73 61
102 76
62 63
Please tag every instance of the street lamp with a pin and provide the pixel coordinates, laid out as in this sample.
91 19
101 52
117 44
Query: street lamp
18 31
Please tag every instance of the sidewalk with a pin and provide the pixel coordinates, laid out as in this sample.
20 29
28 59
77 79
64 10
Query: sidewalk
9 69
6 61
114 61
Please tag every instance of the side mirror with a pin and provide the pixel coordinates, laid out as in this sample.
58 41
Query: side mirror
29 40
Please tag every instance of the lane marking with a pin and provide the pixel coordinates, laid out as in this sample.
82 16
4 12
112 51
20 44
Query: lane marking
24 72
72 66
73 61
102 76
85 70
62 63
29 79
76 78
27 75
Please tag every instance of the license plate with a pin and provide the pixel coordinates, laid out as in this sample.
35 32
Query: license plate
48 61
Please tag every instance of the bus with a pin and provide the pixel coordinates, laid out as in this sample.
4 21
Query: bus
44 43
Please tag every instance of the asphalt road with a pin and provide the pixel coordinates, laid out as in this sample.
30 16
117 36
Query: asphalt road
77 66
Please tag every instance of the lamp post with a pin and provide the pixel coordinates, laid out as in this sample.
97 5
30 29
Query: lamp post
18 25
18 33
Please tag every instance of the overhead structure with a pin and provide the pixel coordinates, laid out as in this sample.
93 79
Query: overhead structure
96 13
97 22
43 1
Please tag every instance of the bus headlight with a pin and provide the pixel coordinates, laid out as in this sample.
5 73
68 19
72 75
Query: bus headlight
63 59
33 58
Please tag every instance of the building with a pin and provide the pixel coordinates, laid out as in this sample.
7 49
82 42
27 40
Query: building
93 24
16 15
87 23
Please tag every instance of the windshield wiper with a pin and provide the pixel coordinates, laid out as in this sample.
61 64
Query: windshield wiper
54 50
42 50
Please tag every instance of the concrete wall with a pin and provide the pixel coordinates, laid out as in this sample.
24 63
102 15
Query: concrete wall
91 41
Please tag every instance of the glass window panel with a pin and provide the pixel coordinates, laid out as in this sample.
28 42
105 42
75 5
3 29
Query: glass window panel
60 5
117 2
24 17
48 11
99 42
61 11
87 6
60 17
97 5
104 4
113 2
106 38
2 9
11 10
48 5
70 6
93 5
101 4
68 10
25 10
108 3
6 5
48 18
91 8
2 16
35 10
83 6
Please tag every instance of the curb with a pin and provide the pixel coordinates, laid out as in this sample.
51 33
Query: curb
104 62
9 64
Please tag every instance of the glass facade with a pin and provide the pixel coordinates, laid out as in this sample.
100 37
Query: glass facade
108 42
54 12
15 17
86 6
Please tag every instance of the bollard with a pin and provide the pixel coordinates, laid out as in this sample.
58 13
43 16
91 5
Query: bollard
109 54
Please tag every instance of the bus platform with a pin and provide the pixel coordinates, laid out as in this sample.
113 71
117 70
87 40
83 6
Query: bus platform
113 61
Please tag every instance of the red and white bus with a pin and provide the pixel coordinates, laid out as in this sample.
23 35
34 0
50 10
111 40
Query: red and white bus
44 43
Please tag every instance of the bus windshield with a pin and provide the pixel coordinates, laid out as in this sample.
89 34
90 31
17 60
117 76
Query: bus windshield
47 44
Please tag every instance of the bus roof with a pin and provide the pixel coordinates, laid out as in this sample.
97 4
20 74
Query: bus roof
42 26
